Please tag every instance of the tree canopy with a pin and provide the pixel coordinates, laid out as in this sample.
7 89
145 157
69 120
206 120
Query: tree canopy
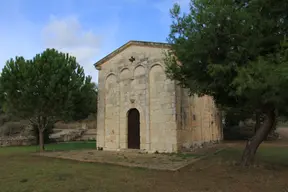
49 87
235 51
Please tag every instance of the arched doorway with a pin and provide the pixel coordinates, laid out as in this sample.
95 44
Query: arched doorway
133 129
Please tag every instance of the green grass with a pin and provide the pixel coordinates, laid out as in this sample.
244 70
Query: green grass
23 172
268 154
76 145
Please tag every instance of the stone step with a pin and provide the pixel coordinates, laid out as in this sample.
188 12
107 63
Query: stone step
133 150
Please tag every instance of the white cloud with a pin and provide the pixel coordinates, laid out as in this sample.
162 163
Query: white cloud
22 37
68 35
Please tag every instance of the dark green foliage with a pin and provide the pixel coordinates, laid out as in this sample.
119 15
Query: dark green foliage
85 102
236 52
41 86
237 133
232 130
234 115
49 87
231 50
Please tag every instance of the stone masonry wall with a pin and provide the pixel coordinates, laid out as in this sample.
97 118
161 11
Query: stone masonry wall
142 85
17 141
199 121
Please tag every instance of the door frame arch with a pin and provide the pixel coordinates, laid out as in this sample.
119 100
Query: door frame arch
133 128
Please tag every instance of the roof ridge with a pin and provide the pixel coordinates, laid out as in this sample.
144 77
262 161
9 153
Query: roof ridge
126 45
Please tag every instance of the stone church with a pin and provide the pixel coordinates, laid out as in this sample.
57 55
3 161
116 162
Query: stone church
140 108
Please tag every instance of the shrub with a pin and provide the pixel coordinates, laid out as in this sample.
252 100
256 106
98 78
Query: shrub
12 128
4 118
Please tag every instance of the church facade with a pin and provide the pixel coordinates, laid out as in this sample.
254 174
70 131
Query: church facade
140 108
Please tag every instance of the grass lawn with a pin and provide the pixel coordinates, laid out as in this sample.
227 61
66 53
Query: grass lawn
50 147
271 156
22 172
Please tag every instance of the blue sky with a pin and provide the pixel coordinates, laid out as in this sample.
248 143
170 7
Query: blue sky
87 29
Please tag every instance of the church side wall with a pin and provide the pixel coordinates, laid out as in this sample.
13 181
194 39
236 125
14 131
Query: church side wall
198 120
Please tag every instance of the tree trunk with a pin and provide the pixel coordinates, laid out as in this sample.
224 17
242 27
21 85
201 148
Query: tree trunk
257 123
260 135
41 140
274 126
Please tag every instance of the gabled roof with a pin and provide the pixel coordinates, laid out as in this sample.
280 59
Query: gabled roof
128 44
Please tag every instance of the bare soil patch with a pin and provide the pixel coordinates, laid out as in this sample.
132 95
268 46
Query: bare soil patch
160 161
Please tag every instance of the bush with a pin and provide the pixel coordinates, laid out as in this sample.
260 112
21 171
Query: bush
238 125
12 128
4 118
237 132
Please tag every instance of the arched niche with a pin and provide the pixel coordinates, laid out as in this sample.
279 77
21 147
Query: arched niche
139 71
125 74
111 111
156 81
125 85
156 88
139 82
